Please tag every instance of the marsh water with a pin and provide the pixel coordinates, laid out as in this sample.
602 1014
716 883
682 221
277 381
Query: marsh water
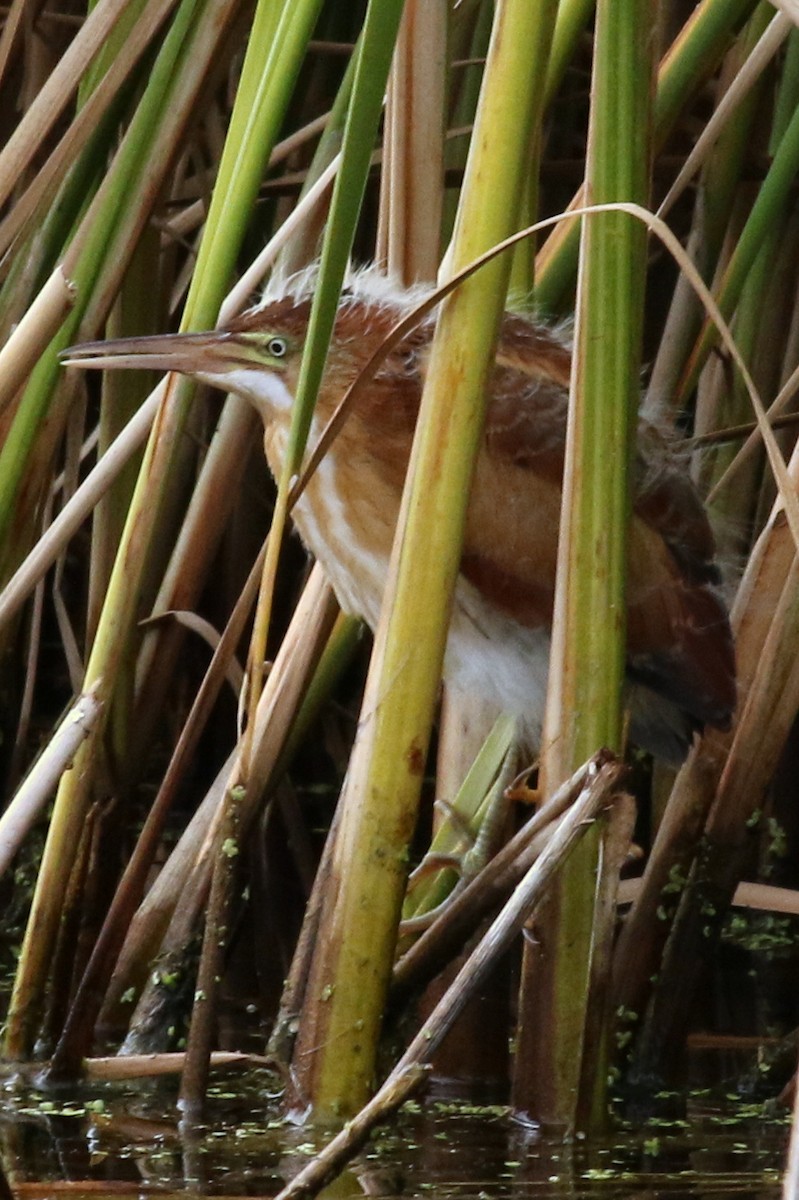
128 1140
720 1132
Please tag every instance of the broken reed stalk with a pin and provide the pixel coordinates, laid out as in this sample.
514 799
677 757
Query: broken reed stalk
41 322
463 912
468 830
603 774
37 787
146 1066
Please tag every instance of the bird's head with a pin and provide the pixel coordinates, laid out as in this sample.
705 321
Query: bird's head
257 356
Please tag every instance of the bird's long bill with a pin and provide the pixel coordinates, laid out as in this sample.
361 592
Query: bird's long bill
189 353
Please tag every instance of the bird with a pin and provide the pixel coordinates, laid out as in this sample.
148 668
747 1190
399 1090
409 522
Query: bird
680 660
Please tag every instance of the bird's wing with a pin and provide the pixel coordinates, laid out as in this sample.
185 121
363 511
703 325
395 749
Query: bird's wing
679 640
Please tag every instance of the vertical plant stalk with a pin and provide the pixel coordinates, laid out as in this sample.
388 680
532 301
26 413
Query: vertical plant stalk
588 637
409 236
412 179
123 394
617 835
335 1056
194 1080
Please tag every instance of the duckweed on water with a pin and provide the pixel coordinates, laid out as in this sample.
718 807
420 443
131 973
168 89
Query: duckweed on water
761 932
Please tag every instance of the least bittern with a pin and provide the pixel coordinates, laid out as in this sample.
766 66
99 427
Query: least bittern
680 661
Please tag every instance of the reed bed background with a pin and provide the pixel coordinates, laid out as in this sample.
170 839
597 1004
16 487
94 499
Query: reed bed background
168 792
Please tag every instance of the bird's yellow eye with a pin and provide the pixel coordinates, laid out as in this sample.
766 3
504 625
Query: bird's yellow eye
276 347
